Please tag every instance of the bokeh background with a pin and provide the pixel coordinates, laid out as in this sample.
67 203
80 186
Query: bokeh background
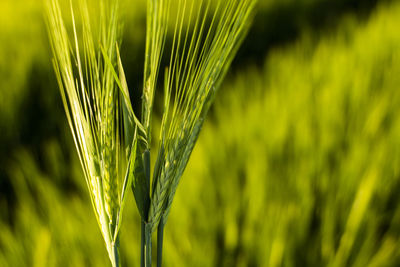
298 163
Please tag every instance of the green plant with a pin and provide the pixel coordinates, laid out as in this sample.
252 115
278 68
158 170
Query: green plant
112 144
91 102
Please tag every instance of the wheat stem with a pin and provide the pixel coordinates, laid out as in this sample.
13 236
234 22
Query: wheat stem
160 237
148 231
116 253
142 243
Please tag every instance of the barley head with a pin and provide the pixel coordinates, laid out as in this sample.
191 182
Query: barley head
91 98
206 37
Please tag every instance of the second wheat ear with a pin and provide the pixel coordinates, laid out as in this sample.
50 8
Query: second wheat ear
205 38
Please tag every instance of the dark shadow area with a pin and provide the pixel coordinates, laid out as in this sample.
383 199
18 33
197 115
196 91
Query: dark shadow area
284 23
41 118
132 56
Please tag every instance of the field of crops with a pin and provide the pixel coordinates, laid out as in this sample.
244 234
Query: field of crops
298 162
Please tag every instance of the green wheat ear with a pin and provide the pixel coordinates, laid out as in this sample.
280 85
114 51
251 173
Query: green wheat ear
206 37
84 68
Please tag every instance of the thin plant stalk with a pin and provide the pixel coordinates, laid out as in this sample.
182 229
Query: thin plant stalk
145 245
160 238
116 262
145 226
142 243
148 245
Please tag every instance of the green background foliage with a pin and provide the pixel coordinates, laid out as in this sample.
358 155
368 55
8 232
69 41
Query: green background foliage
298 163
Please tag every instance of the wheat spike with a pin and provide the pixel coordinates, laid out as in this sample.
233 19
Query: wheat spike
201 53
91 98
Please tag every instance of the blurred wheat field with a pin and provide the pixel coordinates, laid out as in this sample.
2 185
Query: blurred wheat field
297 165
